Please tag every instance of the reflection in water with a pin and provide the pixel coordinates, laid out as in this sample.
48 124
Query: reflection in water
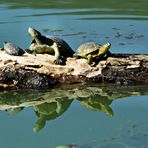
50 111
122 24
49 105
13 111
97 103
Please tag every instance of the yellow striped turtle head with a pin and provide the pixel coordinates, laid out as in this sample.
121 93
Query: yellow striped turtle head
104 48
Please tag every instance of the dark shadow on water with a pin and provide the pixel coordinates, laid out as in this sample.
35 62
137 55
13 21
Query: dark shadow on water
50 104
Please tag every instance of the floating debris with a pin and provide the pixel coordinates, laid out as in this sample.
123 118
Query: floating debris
118 35
75 34
122 44
130 36
50 30
133 35
84 36
57 30
68 146
46 30
114 28
131 25
139 36
107 37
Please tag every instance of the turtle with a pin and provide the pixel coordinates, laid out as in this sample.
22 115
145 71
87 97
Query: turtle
12 49
92 50
50 45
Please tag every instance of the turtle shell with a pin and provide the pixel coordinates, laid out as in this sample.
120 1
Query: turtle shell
65 49
88 48
13 49
60 42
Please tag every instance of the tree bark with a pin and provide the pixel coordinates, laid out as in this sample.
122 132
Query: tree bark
38 71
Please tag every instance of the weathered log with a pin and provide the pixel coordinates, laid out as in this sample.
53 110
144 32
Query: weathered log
39 71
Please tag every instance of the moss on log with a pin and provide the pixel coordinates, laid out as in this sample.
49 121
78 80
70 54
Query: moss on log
38 71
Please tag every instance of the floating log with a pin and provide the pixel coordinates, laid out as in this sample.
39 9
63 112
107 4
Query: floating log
38 71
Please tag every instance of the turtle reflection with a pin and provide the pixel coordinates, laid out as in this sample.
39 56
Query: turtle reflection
50 111
48 105
97 103
14 111
54 109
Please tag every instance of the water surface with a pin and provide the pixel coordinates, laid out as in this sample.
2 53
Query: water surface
85 115
77 22
102 116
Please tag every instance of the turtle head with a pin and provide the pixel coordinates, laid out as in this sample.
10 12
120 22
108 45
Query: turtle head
104 49
33 32
107 45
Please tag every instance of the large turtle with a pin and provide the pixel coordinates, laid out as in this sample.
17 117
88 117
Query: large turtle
92 50
12 49
51 45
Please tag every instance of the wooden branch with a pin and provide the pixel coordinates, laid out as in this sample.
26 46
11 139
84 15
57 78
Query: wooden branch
39 71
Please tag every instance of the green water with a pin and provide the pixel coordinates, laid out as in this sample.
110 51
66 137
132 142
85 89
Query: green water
100 116
123 24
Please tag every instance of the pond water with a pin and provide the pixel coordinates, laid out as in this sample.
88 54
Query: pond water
88 116
77 22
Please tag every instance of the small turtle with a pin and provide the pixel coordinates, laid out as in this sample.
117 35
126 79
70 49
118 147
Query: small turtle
12 49
91 50
51 45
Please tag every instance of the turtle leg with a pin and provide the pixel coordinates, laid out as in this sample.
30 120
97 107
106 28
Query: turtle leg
102 56
90 60
108 53
31 48
28 51
40 123
57 60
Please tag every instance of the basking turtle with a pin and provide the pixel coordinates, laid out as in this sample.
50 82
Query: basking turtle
12 49
91 50
51 45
